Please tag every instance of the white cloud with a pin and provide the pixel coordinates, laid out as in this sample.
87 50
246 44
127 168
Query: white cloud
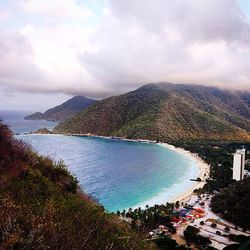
66 9
4 14
44 57
56 52
16 65
205 42
66 47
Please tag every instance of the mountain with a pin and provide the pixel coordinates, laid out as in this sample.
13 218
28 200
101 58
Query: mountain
64 111
168 112
41 206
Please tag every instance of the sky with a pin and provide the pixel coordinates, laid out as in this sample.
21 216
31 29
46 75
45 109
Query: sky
53 50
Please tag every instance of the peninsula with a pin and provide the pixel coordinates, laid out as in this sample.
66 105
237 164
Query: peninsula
64 111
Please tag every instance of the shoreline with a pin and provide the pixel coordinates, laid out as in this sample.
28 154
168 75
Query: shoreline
204 168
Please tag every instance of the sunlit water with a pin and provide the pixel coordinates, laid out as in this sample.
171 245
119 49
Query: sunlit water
119 174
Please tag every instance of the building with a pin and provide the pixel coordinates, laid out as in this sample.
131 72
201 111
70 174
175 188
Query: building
239 164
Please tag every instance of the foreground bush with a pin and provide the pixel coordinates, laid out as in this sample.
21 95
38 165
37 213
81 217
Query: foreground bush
41 207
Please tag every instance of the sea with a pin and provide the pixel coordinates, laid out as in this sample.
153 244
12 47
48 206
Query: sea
119 174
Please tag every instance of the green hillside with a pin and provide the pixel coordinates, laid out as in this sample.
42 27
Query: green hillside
41 206
168 112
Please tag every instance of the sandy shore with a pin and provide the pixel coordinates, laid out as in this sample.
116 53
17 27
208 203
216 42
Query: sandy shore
204 170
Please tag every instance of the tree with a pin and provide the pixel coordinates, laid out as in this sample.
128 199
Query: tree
191 236
177 204
190 233
213 225
166 243
123 212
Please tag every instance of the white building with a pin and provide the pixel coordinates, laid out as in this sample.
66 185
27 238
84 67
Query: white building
239 164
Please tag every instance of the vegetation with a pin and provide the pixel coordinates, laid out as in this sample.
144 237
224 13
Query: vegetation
213 225
227 201
166 243
233 202
40 204
191 234
42 208
219 156
203 120
243 243
151 217
167 112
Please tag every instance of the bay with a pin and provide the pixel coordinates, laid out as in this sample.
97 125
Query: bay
119 174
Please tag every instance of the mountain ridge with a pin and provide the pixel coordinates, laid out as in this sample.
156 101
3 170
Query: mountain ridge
63 111
167 112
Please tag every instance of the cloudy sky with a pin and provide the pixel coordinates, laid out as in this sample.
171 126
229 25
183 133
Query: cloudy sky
51 50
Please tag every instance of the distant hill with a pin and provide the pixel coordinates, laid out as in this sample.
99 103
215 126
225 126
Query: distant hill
64 111
169 112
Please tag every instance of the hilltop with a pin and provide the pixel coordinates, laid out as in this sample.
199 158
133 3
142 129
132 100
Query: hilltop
64 111
42 207
167 112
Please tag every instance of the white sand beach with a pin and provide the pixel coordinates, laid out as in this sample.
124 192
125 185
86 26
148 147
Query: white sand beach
204 170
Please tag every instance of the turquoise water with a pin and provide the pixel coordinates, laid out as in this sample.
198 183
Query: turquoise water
120 174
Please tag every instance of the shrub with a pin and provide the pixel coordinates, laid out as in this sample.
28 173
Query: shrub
191 235
213 225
